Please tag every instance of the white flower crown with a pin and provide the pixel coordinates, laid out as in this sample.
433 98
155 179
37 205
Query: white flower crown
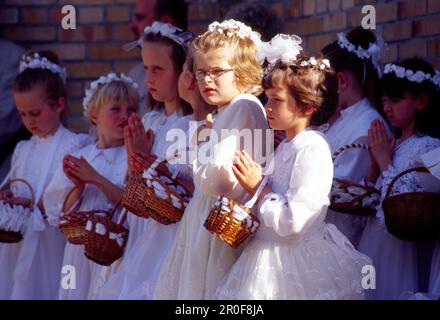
372 53
418 76
35 61
233 27
164 29
282 47
103 80
325 63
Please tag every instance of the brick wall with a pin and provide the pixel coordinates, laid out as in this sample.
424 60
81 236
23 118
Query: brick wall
411 28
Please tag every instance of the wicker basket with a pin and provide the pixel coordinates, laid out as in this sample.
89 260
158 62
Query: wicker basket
105 239
155 196
11 236
73 223
350 197
232 222
412 216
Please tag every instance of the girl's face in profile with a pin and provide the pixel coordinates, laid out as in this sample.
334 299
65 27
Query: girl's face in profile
39 116
186 84
161 76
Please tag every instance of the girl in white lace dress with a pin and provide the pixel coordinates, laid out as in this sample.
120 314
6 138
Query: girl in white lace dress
97 172
355 58
410 107
163 54
294 254
30 268
225 67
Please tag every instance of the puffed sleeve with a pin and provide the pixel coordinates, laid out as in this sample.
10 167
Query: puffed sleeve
241 126
307 195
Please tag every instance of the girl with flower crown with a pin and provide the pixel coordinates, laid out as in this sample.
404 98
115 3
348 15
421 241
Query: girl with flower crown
94 175
163 54
294 254
30 268
226 70
355 58
410 103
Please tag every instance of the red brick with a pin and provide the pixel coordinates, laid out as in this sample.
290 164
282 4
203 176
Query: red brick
354 18
122 33
316 43
66 51
198 27
347 4
34 15
87 70
118 14
336 21
321 6
386 12
294 9
397 31
30 33
334 5
412 49
278 8
30 2
433 6
427 26
308 7
123 67
9 16
75 2
75 89
390 54
91 15
411 8
305 26
434 48
200 12
109 52
87 33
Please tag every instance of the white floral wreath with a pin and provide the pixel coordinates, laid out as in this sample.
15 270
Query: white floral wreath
103 80
282 47
164 29
35 61
372 53
325 63
418 76
233 27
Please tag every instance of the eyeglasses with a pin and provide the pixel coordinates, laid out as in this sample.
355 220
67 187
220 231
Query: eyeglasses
213 73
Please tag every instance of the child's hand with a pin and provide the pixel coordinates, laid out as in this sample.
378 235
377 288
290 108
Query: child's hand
381 150
69 172
81 170
137 140
247 171
6 195
140 164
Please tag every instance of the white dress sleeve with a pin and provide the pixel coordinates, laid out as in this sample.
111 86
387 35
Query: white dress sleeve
307 195
213 174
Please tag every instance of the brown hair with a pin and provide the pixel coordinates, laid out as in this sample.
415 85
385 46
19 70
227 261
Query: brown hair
51 82
244 60
363 69
311 87
178 56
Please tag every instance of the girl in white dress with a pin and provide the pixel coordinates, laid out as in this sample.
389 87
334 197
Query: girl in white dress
409 103
294 254
355 58
163 55
226 68
30 268
97 172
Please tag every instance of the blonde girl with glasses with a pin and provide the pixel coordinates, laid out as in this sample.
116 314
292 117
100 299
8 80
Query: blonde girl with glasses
226 69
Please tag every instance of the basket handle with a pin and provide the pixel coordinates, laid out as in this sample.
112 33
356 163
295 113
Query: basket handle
28 185
123 215
77 203
349 146
390 186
